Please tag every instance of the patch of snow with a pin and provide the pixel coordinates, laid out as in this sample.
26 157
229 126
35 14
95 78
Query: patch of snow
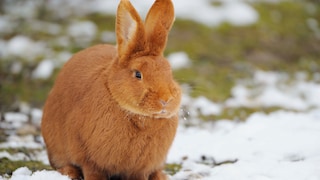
281 145
271 89
24 107
206 106
15 157
309 92
274 97
82 32
191 170
14 141
192 108
63 57
236 12
24 173
23 47
36 115
16 119
44 69
42 156
179 60
269 78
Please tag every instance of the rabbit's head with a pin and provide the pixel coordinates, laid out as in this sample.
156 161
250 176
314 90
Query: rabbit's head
140 79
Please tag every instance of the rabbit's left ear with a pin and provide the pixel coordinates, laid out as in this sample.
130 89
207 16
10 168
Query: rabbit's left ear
158 24
129 30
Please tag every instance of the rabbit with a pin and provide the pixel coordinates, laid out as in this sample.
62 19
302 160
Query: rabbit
113 110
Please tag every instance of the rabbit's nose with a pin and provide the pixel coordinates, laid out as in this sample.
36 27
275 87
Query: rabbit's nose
164 103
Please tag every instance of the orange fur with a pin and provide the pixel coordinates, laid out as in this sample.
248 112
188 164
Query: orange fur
101 121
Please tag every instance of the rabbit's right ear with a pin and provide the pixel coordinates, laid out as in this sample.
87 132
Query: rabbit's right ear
158 24
129 30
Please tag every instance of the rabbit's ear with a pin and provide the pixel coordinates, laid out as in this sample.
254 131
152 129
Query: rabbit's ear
158 24
129 30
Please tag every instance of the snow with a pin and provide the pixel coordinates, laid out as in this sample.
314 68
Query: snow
82 32
24 47
44 69
15 157
24 173
192 108
281 145
206 106
16 119
236 12
271 89
179 60
15 141
36 115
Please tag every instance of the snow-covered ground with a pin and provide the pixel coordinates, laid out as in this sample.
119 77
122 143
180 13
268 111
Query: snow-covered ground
281 145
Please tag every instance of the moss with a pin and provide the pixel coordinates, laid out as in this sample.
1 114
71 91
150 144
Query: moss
172 168
223 54
7 166
3 136
26 151
242 113
104 22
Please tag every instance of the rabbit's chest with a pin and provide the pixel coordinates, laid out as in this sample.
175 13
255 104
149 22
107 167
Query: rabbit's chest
143 144
131 146
134 149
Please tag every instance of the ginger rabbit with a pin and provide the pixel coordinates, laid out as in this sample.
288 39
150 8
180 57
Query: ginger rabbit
113 110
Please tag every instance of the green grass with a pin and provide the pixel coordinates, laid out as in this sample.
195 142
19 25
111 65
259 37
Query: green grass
280 41
7 166
172 168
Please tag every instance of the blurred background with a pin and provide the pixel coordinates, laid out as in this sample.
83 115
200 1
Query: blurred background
215 44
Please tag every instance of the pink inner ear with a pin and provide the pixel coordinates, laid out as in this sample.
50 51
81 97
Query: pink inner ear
129 30
127 25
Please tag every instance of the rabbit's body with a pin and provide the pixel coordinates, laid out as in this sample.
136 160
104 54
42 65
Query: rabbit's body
99 136
113 111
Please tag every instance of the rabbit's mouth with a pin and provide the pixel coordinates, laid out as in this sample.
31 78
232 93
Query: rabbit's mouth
164 114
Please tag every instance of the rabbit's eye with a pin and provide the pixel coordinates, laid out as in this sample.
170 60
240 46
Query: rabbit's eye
138 74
